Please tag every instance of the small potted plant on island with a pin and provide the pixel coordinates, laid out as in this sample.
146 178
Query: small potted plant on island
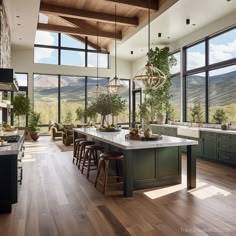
34 121
220 118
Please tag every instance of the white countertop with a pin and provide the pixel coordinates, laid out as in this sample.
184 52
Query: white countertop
12 148
118 139
228 131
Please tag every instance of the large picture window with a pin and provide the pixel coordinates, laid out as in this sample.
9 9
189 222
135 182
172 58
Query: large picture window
222 92
195 94
62 49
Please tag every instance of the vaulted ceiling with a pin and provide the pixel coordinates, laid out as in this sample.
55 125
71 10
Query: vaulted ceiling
96 17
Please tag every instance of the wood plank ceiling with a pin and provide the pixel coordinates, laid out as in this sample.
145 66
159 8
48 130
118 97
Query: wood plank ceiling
79 18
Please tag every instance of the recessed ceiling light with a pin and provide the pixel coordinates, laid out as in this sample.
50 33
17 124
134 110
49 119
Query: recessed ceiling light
141 50
228 0
18 16
193 24
18 24
168 37
19 38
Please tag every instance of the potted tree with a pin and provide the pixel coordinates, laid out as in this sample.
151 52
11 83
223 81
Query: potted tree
220 118
156 103
34 121
197 114
21 106
108 104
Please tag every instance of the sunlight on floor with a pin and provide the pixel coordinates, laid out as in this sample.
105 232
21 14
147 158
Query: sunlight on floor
202 191
209 191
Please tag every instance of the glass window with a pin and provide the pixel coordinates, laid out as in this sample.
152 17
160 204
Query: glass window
222 47
195 94
195 56
72 97
102 60
124 93
22 118
72 58
46 38
70 42
22 79
176 69
175 100
46 97
45 55
222 92
92 87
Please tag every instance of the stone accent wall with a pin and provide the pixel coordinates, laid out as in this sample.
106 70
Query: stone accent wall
5 39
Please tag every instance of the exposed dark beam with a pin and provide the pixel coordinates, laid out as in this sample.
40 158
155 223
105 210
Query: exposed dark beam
154 4
83 14
78 31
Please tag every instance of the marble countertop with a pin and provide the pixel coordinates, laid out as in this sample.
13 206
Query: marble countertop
228 131
118 139
12 148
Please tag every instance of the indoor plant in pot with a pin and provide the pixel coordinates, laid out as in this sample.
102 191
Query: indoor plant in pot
220 118
34 121
21 106
157 101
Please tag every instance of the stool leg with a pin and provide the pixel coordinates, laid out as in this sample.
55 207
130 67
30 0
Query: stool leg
86 158
106 176
81 152
100 164
90 156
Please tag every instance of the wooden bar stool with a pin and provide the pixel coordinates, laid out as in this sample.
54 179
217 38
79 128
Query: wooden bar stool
104 160
82 146
77 149
91 158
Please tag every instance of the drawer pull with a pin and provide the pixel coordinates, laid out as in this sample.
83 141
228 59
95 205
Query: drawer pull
227 158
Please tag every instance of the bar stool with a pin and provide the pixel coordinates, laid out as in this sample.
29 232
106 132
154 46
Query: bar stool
77 149
104 160
80 154
91 158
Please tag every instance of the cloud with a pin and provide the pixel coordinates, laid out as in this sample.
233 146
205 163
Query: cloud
195 60
44 38
222 52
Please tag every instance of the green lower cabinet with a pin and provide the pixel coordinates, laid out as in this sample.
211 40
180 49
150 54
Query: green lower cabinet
209 140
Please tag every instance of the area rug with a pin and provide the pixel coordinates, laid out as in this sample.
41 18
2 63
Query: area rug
64 148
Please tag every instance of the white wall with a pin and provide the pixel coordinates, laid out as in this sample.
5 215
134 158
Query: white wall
23 61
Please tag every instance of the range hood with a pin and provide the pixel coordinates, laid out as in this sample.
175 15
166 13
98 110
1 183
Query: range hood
7 81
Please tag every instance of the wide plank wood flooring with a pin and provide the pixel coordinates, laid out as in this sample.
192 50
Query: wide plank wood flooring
56 199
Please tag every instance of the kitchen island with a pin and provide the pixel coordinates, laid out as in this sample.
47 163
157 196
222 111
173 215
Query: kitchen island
146 163
9 155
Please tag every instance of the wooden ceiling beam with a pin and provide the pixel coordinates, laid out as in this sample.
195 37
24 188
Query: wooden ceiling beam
87 31
154 4
83 14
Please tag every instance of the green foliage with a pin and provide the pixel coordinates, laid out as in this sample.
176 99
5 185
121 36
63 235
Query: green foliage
157 101
80 113
34 121
21 106
91 113
68 118
196 113
219 116
108 104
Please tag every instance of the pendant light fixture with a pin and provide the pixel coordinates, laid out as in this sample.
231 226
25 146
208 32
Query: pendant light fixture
98 89
115 85
150 75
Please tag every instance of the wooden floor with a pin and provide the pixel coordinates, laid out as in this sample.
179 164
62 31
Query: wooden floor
56 199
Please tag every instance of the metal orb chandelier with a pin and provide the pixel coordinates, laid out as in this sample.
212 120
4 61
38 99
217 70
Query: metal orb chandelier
115 85
151 76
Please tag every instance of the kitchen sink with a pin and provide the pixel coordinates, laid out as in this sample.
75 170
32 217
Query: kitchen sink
188 132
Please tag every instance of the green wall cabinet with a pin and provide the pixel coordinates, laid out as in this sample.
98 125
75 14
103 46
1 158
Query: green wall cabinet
209 141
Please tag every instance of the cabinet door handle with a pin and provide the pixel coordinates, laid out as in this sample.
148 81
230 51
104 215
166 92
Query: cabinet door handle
227 158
